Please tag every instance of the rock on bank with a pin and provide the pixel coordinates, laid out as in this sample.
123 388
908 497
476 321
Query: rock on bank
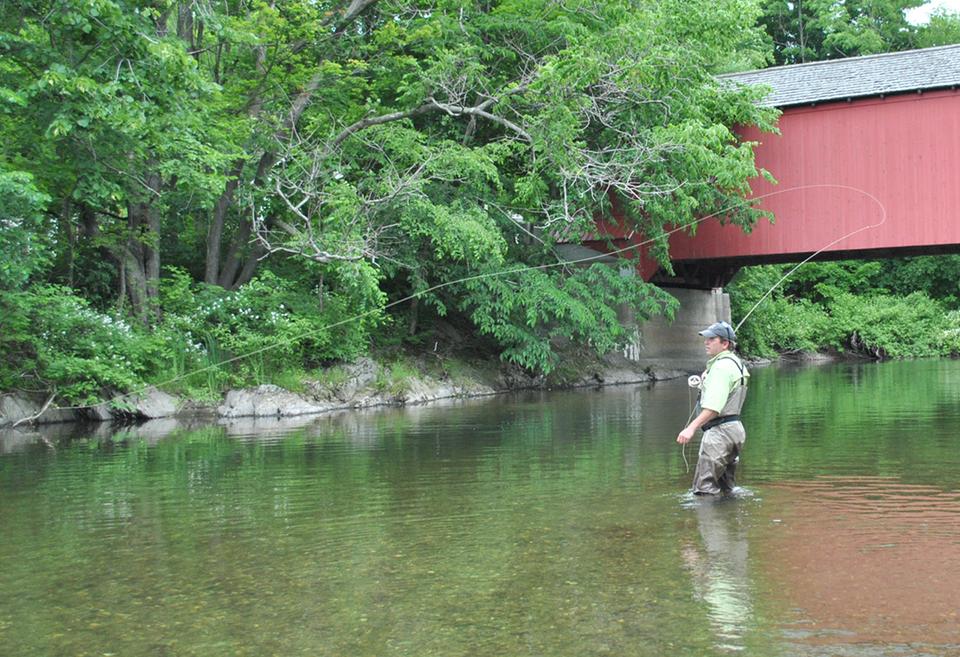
362 384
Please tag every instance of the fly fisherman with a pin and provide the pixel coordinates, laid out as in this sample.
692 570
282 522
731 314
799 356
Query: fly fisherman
723 388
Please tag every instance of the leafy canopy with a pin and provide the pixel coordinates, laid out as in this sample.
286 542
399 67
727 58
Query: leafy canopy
338 157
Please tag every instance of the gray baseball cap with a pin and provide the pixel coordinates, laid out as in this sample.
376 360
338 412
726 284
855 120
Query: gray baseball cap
720 330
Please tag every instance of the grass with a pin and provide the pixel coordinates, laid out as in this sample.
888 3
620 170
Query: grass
395 378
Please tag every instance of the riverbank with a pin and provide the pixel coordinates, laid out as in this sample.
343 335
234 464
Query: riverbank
365 383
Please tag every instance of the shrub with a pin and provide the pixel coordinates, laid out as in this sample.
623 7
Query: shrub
52 340
784 325
891 326
951 333
262 331
879 324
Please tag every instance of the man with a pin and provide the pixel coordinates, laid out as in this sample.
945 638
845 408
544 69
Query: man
723 389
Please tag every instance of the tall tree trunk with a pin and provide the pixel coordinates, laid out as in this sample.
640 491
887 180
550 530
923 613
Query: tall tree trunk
250 266
66 220
152 246
136 284
803 44
185 24
140 256
215 229
212 272
226 276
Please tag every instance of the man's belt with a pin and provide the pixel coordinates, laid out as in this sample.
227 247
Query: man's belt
717 421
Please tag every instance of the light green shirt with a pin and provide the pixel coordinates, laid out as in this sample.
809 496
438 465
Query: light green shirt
720 378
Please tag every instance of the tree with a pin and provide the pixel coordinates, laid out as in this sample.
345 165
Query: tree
942 30
814 30
491 131
424 148
113 120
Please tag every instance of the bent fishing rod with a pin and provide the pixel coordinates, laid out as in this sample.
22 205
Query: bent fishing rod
694 381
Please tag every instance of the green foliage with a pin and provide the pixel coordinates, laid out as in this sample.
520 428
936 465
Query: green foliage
106 98
785 326
395 377
895 327
209 339
819 281
314 162
23 248
52 340
331 378
951 335
258 332
937 276
530 309
942 30
815 30
861 307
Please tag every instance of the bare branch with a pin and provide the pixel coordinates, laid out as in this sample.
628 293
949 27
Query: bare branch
369 121
321 231
355 9
36 416
459 110
433 105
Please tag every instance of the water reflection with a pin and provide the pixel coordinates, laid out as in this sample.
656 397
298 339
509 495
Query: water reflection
718 567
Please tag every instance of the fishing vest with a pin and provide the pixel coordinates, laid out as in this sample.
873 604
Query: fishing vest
736 397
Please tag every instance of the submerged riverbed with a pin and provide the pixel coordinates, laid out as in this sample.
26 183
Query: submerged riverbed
540 524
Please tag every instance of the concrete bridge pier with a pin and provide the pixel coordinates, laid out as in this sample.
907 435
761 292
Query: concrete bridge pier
658 343
663 344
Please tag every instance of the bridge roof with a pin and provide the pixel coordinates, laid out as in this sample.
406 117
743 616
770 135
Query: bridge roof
857 77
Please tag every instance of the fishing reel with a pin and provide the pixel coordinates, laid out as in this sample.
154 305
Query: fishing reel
694 381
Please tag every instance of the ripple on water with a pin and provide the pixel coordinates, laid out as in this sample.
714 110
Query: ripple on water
867 560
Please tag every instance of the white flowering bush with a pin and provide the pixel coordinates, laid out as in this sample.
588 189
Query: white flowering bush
53 340
266 327
207 339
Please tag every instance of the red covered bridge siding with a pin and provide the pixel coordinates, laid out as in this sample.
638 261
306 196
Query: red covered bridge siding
864 141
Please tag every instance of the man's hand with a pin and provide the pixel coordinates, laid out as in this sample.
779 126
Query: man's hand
686 435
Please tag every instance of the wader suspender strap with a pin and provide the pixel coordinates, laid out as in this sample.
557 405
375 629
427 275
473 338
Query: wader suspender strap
736 361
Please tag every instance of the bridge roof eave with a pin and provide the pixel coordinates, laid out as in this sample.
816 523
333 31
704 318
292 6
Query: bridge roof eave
855 78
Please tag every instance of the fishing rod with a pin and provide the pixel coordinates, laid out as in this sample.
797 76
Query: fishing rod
694 381
506 272
883 219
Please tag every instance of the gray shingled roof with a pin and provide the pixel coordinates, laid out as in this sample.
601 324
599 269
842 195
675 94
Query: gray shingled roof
856 77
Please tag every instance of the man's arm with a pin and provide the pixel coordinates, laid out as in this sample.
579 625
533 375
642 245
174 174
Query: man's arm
705 416
714 395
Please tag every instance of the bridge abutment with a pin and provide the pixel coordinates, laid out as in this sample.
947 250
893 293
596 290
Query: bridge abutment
660 343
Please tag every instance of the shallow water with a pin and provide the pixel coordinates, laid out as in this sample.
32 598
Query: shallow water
543 524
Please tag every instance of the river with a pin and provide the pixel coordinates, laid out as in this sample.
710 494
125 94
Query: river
553 524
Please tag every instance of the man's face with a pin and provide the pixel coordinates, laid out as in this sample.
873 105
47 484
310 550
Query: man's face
714 346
